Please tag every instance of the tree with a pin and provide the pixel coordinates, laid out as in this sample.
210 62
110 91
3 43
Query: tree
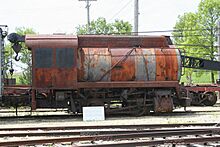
100 26
25 56
8 59
183 35
198 32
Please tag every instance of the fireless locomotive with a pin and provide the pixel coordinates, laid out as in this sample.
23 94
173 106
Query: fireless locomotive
125 74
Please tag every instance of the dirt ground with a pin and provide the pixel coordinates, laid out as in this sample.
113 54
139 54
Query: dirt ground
205 114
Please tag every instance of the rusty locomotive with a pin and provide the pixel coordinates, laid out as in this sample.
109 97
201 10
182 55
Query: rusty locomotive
125 74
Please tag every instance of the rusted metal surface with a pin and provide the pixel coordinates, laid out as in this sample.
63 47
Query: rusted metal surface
63 78
54 77
33 100
93 63
54 60
129 84
141 71
51 41
139 127
147 57
203 88
128 64
122 136
42 77
164 142
97 132
66 63
123 62
69 62
96 58
8 82
167 67
114 41
163 102
171 64
203 94
16 89
160 65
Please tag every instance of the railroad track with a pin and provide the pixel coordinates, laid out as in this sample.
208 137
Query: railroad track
116 135
40 114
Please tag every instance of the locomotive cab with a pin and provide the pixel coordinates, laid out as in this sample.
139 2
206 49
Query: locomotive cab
53 67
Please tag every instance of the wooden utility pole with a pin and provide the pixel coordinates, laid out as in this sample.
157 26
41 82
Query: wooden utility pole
136 13
218 44
88 13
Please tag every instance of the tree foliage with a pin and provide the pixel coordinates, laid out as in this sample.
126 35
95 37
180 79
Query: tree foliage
198 32
100 26
8 59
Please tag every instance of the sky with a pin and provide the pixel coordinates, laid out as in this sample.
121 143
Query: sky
63 16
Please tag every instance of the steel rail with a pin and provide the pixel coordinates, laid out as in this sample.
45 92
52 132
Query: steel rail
159 142
28 111
32 117
29 114
98 132
139 126
105 137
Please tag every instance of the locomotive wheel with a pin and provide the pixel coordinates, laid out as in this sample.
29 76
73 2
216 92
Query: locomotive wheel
95 102
139 111
210 98
141 107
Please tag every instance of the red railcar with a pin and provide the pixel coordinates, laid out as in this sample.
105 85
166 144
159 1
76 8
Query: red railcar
203 94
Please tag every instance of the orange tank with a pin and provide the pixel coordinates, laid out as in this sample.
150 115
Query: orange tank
128 64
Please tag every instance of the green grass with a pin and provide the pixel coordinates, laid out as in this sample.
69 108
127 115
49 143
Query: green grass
196 78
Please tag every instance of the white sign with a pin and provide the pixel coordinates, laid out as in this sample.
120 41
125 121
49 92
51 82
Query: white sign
93 113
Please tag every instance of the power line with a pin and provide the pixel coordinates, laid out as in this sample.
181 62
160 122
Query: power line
202 54
175 30
187 36
159 31
120 10
198 45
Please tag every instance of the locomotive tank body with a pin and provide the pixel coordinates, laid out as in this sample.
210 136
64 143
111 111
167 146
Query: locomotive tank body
139 73
128 64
